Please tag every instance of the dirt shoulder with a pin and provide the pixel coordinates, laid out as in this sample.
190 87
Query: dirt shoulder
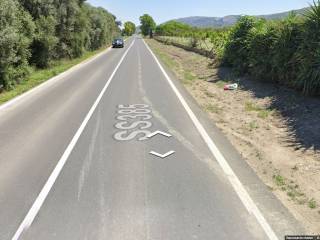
276 130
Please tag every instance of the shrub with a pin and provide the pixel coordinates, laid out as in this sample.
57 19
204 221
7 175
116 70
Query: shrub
39 31
219 39
287 41
44 42
284 51
16 33
172 28
237 47
308 54
102 27
260 42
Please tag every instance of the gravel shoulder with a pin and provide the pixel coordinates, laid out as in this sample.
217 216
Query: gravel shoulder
275 129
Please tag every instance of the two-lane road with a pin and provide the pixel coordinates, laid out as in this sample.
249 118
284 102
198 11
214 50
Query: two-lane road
83 143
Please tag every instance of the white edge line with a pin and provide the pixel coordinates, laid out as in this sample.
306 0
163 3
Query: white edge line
52 80
27 221
234 180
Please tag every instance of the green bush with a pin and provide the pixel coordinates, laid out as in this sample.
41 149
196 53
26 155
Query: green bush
261 40
70 29
148 25
212 40
16 32
172 28
287 40
219 39
102 27
129 28
37 32
285 51
308 53
44 41
237 47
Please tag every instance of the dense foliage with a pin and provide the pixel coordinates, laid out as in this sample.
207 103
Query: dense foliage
16 34
36 32
173 28
211 40
284 51
148 25
129 28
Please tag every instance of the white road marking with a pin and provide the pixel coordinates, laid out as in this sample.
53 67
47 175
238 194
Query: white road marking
27 221
48 83
130 122
234 180
159 132
162 155
51 81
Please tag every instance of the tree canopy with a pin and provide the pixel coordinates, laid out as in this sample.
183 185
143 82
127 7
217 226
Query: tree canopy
148 25
16 34
172 28
36 32
129 28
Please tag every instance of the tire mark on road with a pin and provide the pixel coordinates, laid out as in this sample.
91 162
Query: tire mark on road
88 159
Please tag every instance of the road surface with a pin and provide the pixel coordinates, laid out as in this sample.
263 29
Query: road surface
79 160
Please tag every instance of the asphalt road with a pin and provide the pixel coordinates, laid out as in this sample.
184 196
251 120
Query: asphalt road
88 131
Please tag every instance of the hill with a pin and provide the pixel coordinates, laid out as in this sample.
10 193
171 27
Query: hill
198 21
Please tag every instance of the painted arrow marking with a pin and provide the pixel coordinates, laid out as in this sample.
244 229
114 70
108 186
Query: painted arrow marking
159 132
162 155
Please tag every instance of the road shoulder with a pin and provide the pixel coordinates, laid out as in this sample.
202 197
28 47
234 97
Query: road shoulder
43 77
275 213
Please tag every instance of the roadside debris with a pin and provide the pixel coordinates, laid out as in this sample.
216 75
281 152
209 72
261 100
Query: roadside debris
231 86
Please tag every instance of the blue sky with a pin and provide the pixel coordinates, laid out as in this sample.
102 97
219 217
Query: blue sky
163 10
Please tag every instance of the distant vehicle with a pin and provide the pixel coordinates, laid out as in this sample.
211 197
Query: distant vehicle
118 43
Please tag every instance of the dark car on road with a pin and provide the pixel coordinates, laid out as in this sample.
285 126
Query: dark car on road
118 43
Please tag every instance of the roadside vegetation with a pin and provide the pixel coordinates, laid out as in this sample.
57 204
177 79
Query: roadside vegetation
274 128
41 38
210 40
129 29
284 51
37 76
148 25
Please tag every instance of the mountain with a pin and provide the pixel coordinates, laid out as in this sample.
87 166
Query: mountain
198 21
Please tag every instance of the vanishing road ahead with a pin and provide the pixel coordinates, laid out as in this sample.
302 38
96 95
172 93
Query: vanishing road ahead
79 160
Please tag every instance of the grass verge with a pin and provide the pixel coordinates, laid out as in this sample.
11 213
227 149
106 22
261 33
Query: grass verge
253 121
185 75
39 76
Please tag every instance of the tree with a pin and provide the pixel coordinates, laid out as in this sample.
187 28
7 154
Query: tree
16 33
39 31
103 27
129 28
72 28
173 28
44 42
147 25
118 23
